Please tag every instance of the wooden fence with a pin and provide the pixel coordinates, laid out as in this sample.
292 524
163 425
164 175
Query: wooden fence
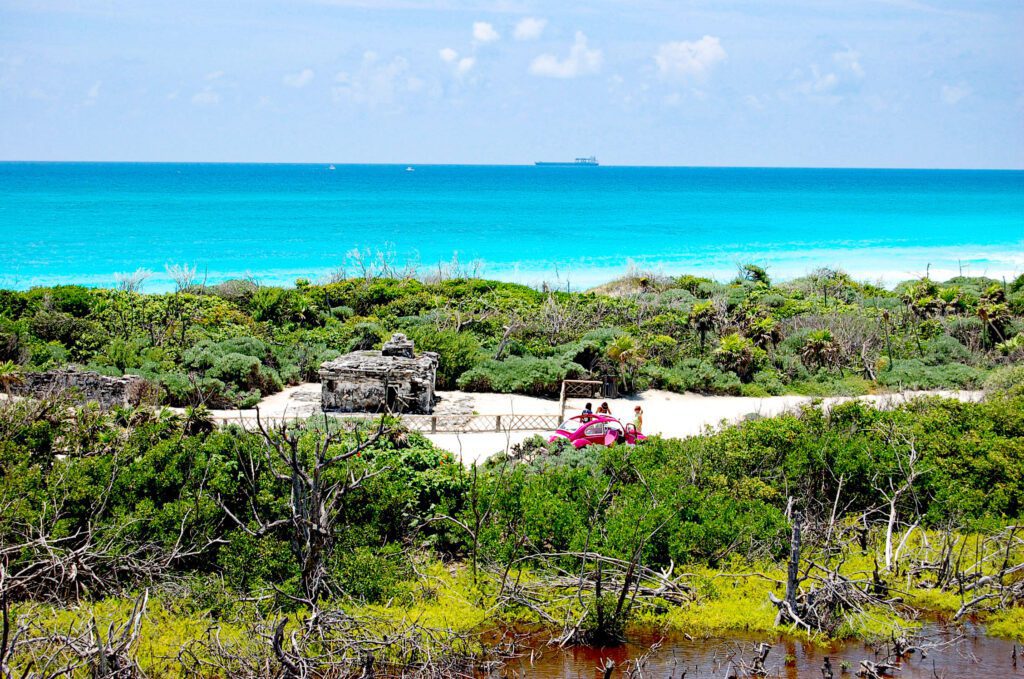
426 424
465 424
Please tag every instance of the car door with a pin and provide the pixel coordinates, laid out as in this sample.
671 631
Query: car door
595 432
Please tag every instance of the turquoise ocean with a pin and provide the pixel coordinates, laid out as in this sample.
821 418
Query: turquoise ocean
571 227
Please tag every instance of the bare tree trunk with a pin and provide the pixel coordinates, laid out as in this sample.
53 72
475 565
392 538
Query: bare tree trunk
793 570
909 470
788 605
889 529
315 506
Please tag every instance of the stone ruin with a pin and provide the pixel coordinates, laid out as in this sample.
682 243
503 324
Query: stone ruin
393 379
129 390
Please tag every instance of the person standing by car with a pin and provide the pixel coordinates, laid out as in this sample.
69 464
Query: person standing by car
638 419
587 412
603 409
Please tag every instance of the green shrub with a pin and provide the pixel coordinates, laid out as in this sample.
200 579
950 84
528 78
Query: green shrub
728 384
1013 346
76 300
44 355
521 375
228 371
915 374
250 563
943 349
77 334
701 288
832 384
771 381
371 575
753 390
342 313
693 374
738 354
457 352
366 335
13 304
239 369
1006 381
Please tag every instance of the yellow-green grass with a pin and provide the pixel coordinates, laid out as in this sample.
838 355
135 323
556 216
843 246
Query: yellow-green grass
445 598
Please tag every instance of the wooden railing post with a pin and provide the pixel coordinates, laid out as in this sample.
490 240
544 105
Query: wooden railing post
561 403
497 423
433 424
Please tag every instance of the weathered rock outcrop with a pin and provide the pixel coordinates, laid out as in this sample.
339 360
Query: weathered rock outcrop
129 390
394 379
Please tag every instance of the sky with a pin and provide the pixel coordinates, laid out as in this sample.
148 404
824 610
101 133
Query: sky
810 83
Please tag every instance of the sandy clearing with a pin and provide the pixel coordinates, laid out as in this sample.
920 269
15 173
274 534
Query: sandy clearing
665 413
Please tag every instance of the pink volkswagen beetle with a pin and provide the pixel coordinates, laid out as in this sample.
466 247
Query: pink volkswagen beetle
588 430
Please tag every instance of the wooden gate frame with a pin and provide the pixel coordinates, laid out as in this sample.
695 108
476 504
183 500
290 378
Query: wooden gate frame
578 389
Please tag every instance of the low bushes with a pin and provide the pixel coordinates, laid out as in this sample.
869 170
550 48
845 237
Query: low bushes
521 375
1006 381
822 334
457 352
917 375
693 374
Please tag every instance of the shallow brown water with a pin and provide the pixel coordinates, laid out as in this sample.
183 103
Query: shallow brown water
957 654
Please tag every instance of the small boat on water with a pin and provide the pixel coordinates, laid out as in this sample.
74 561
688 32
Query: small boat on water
410 169
331 167
590 161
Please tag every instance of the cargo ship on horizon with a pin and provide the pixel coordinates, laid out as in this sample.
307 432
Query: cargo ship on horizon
579 162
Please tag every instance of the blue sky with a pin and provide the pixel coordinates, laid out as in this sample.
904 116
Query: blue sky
862 83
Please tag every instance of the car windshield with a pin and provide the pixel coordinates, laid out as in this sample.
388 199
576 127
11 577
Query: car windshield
574 423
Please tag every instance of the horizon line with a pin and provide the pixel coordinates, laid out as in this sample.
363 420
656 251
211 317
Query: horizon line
529 164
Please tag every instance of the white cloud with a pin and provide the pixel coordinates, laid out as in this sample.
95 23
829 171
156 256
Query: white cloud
207 97
376 82
300 79
820 83
849 60
93 94
954 94
214 75
484 33
581 61
464 66
461 66
529 28
689 59
832 85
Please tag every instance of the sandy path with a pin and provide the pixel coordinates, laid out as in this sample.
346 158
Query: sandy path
665 413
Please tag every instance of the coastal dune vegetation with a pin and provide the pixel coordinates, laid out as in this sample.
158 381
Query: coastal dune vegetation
143 541
233 343
139 542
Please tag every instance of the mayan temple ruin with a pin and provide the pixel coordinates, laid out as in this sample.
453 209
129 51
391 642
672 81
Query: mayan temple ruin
394 379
